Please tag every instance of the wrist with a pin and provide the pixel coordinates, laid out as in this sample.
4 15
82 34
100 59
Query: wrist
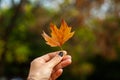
29 78
33 77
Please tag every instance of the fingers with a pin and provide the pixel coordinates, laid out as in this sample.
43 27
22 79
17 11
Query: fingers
47 57
57 74
66 57
65 62
57 59
57 71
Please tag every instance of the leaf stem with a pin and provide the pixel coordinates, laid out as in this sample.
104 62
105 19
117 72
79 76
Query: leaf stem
61 47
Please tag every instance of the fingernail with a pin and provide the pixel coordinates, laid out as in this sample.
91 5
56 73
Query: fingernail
60 54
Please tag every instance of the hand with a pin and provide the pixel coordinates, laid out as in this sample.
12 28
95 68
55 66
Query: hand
49 66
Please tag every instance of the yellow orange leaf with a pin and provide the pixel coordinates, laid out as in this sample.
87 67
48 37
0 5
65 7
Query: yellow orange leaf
58 35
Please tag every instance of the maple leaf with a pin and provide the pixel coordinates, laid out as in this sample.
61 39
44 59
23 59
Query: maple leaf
58 35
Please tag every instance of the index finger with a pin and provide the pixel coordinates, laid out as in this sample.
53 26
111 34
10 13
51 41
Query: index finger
49 56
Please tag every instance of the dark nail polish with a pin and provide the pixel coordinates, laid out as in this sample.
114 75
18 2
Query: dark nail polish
60 54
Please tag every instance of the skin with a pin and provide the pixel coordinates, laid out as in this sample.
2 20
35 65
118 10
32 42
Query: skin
49 66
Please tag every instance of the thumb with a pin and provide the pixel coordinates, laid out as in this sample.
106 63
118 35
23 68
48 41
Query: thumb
55 60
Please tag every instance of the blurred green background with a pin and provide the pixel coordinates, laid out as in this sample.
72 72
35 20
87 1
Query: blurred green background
95 47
